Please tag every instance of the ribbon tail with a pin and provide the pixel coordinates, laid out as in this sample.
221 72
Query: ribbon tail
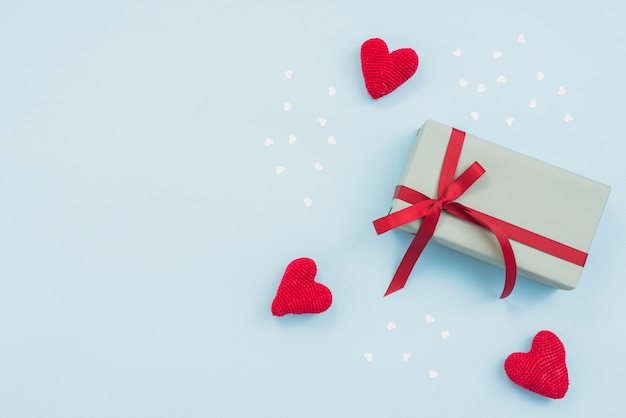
423 235
510 265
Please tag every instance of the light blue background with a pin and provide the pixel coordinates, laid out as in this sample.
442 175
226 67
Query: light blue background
144 230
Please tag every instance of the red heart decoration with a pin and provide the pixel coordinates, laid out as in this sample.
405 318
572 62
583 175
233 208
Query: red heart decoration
298 293
384 72
542 370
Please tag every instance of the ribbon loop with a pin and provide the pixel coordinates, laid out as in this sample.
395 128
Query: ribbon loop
455 189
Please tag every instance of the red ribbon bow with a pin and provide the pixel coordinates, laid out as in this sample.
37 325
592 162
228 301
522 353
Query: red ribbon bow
449 190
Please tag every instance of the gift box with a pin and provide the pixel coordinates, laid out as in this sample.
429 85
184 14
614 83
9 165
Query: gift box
494 204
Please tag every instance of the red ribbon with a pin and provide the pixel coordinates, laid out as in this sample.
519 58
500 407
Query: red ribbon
449 190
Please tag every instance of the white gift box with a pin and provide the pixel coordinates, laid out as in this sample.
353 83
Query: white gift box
520 190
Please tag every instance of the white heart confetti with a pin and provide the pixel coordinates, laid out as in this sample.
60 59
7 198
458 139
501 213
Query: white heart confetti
521 39
430 319
568 118
331 140
288 74
287 106
457 52
368 356
318 167
480 88
307 202
532 104
391 326
540 75
509 121
406 356
322 121
268 142
501 79
474 115
280 169
433 374
462 83
496 55
561 91
445 335
331 91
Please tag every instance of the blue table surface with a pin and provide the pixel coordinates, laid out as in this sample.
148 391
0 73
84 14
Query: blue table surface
161 162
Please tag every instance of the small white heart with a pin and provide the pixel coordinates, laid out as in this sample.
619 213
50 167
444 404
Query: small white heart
501 79
406 356
331 91
287 106
322 121
532 104
391 326
540 75
561 91
268 142
509 121
457 52
480 88
280 169
331 140
521 39
291 138
462 83
445 335
307 202
318 167
430 319
568 118
368 356
496 55
288 74
433 374
474 115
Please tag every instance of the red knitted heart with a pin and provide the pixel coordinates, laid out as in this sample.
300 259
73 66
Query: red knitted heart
384 72
298 293
542 370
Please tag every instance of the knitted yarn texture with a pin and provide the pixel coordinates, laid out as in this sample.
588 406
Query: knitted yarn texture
383 71
542 370
298 293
